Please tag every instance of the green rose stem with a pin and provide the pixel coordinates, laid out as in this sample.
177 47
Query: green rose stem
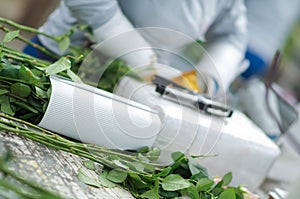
26 28
57 142
10 80
58 39
23 39
24 57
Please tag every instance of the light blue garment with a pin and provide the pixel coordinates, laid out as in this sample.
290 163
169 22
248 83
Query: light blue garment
198 19
220 23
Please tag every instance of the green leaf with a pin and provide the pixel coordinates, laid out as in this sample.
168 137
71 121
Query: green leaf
5 106
25 106
28 76
136 181
117 176
143 149
204 184
137 166
165 172
73 76
3 91
203 156
200 175
174 182
227 194
49 91
196 168
149 168
104 181
153 154
10 36
2 98
64 43
9 70
217 191
27 116
120 164
239 193
20 89
151 194
41 93
60 65
85 178
114 157
168 194
45 106
176 156
204 196
89 165
193 192
227 178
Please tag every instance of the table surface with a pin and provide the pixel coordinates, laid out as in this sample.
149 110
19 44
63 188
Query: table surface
53 169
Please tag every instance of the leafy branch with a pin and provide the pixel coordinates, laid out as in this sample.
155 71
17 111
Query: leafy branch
135 171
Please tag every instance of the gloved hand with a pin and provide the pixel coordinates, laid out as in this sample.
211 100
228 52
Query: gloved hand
198 82
208 84
218 68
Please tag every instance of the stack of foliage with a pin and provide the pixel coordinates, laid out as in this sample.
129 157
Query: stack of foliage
25 86
25 90
135 171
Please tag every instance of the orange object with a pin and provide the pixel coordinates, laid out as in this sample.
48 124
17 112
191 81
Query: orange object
188 80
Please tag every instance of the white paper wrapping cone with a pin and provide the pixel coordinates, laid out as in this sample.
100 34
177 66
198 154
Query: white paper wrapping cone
98 117
241 146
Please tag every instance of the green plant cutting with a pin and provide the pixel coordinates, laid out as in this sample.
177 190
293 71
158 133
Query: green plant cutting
135 171
25 90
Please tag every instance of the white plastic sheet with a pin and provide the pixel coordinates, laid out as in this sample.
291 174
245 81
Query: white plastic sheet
241 147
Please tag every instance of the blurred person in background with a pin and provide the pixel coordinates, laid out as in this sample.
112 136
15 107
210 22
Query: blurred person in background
220 25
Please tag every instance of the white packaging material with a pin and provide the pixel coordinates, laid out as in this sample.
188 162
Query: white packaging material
253 103
241 146
98 117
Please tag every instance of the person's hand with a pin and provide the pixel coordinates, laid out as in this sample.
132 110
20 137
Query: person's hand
198 82
207 84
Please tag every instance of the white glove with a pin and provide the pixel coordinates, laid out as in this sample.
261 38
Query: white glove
118 39
220 66
208 84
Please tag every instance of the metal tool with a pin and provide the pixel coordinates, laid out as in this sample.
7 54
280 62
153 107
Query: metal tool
190 98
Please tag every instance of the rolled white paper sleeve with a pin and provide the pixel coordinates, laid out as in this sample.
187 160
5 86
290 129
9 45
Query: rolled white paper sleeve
95 116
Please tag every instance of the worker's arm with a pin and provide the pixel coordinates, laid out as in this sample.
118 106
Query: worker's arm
226 44
107 21
108 24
